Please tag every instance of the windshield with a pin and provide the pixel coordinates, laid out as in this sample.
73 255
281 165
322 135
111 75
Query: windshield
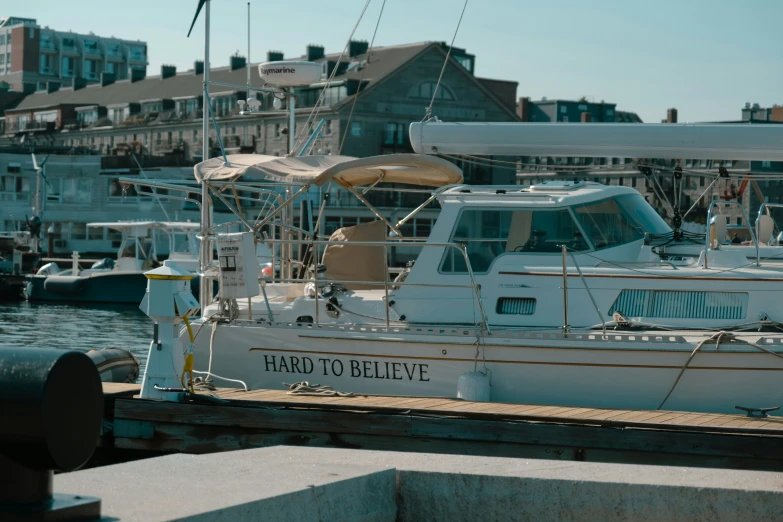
644 215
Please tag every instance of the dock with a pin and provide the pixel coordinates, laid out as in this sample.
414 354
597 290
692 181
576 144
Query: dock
262 418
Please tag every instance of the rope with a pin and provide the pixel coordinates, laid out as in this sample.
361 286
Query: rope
718 338
445 62
361 77
315 390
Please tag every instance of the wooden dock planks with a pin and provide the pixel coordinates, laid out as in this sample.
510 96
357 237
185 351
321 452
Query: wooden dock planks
269 417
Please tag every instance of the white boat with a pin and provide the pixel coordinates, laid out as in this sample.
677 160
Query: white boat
123 280
543 294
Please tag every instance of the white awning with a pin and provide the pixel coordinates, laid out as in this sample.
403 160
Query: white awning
412 169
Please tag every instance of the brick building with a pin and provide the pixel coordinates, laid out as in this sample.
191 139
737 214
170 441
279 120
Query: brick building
35 58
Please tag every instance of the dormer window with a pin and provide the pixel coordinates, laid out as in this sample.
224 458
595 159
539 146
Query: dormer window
87 115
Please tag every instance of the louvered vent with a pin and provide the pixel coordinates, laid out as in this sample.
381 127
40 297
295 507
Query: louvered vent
677 304
516 306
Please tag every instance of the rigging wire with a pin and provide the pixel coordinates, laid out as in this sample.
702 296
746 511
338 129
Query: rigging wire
319 103
428 113
361 77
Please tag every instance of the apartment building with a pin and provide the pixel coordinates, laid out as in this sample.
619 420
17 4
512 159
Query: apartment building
35 58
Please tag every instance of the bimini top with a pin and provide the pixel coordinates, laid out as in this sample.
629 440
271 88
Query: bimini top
412 169
144 225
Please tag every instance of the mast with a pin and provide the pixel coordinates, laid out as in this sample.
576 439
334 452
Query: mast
205 253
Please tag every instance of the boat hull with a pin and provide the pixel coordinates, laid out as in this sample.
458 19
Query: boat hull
96 288
622 371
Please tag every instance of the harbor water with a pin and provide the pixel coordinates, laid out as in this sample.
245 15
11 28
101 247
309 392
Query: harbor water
74 327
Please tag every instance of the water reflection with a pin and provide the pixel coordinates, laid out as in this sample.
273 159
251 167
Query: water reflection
75 327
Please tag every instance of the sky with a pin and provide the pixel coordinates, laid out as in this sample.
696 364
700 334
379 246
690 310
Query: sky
704 57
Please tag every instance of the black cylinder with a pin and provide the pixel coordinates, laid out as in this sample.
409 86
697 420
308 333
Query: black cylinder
51 407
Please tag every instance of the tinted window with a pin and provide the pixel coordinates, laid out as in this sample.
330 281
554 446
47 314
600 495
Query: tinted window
487 234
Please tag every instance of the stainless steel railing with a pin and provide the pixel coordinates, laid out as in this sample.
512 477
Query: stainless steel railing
747 223
484 323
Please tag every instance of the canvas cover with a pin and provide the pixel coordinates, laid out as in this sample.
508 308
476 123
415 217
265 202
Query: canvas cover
412 169
347 262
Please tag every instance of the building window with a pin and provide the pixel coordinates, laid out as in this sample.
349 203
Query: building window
395 134
137 53
195 135
91 69
87 117
91 46
53 192
66 68
464 61
2 58
357 128
223 105
563 109
77 190
425 90
2 39
118 191
14 188
46 64
766 164
564 119
277 131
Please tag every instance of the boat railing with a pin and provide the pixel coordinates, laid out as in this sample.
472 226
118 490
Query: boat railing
708 239
566 326
209 274
764 209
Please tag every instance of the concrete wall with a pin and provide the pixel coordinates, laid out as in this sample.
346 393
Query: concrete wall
294 483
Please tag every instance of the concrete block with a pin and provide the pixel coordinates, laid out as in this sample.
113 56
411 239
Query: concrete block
283 483
232 487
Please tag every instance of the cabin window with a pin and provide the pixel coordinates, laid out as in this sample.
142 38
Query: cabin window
620 220
489 233
607 225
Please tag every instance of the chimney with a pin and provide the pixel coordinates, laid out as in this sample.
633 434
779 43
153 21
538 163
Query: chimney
78 83
586 117
167 71
274 56
671 115
137 75
523 109
315 52
52 86
198 67
107 79
237 62
357 47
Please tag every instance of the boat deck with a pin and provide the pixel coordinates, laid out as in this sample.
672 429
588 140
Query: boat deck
259 418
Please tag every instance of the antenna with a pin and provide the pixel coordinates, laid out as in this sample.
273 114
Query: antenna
248 52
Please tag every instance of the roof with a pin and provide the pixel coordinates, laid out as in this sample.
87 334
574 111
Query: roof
411 169
383 61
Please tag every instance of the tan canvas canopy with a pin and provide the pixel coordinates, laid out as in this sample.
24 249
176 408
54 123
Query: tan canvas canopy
412 169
